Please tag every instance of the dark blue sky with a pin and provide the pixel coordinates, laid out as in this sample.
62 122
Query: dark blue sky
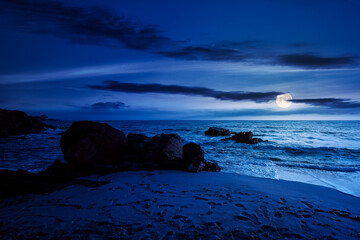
180 59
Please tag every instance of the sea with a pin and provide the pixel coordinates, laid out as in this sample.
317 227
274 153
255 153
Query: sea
325 153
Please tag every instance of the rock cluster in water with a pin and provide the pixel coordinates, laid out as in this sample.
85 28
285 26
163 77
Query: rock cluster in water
91 145
241 137
244 137
14 123
215 131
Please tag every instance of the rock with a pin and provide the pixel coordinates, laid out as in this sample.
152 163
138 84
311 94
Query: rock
91 144
57 172
214 131
17 123
137 142
192 153
137 138
58 175
170 147
42 117
18 182
93 147
203 166
244 137
164 152
193 159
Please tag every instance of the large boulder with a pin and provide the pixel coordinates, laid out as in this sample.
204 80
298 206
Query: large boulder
171 149
137 142
91 144
193 159
192 152
164 152
215 131
17 123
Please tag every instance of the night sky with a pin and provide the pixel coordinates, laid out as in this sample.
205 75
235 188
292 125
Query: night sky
111 59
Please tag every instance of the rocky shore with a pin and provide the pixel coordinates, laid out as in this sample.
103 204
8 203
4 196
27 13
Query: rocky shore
92 147
114 185
14 123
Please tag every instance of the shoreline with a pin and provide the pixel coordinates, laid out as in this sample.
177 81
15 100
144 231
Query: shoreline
174 204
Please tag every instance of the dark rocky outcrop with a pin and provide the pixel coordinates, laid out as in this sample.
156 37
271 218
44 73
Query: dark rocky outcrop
158 152
215 131
14 123
18 182
89 145
22 182
203 166
42 117
57 172
92 147
58 175
133 138
193 152
165 151
193 159
244 137
137 142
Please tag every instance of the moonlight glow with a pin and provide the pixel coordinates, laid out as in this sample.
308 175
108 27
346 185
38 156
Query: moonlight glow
282 100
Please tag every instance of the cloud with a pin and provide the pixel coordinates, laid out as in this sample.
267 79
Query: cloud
103 27
223 51
184 90
205 53
314 61
93 25
258 97
252 52
329 102
107 106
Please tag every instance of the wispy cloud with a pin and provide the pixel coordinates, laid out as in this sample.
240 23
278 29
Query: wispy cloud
329 102
107 106
103 27
184 90
258 97
205 53
315 61
93 25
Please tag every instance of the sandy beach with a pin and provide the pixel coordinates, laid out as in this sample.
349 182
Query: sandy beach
179 120
182 205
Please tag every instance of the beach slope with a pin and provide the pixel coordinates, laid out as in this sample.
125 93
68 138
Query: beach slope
180 205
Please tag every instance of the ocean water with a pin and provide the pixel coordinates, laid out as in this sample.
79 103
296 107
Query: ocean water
324 153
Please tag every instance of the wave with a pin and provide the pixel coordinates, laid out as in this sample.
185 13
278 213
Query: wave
298 150
347 169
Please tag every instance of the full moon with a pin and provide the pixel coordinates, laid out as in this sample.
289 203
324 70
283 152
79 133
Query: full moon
282 100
